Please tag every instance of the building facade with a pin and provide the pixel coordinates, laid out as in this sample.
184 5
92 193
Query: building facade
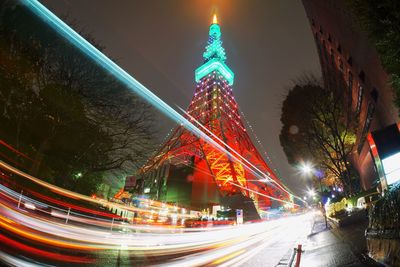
345 53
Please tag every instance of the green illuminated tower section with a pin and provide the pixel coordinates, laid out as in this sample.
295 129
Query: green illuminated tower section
214 56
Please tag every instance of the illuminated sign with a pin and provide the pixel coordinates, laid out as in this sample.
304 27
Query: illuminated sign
391 166
385 150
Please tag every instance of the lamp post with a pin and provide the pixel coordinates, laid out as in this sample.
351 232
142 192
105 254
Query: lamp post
307 169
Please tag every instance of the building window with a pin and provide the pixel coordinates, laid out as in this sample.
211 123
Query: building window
350 61
350 83
339 49
367 124
340 64
362 76
359 98
325 51
319 47
350 88
374 94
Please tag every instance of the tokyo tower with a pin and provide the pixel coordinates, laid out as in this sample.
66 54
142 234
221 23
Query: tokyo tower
188 170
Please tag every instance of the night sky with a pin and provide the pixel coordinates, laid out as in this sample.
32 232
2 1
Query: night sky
160 42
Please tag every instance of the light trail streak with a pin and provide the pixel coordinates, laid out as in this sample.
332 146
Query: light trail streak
84 238
15 197
53 201
261 194
14 261
42 253
213 245
77 196
15 150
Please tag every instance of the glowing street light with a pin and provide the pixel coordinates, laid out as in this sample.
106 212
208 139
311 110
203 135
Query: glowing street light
306 168
311 192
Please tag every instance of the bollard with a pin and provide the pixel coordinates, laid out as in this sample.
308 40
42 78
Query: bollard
298 258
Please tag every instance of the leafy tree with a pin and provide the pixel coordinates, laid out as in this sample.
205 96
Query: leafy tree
381 21
317 127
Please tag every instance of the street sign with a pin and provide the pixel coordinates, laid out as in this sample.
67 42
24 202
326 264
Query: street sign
239 216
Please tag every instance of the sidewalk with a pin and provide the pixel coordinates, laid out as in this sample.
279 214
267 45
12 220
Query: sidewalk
324 247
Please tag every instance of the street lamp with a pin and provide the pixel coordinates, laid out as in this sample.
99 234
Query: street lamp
306 168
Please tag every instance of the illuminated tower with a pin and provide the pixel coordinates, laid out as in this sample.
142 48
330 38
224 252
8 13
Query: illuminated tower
190 171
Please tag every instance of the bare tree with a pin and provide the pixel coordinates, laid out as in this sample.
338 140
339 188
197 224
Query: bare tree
332 134
63 110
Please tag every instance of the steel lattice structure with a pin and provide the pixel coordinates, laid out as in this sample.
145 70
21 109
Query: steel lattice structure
215 110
